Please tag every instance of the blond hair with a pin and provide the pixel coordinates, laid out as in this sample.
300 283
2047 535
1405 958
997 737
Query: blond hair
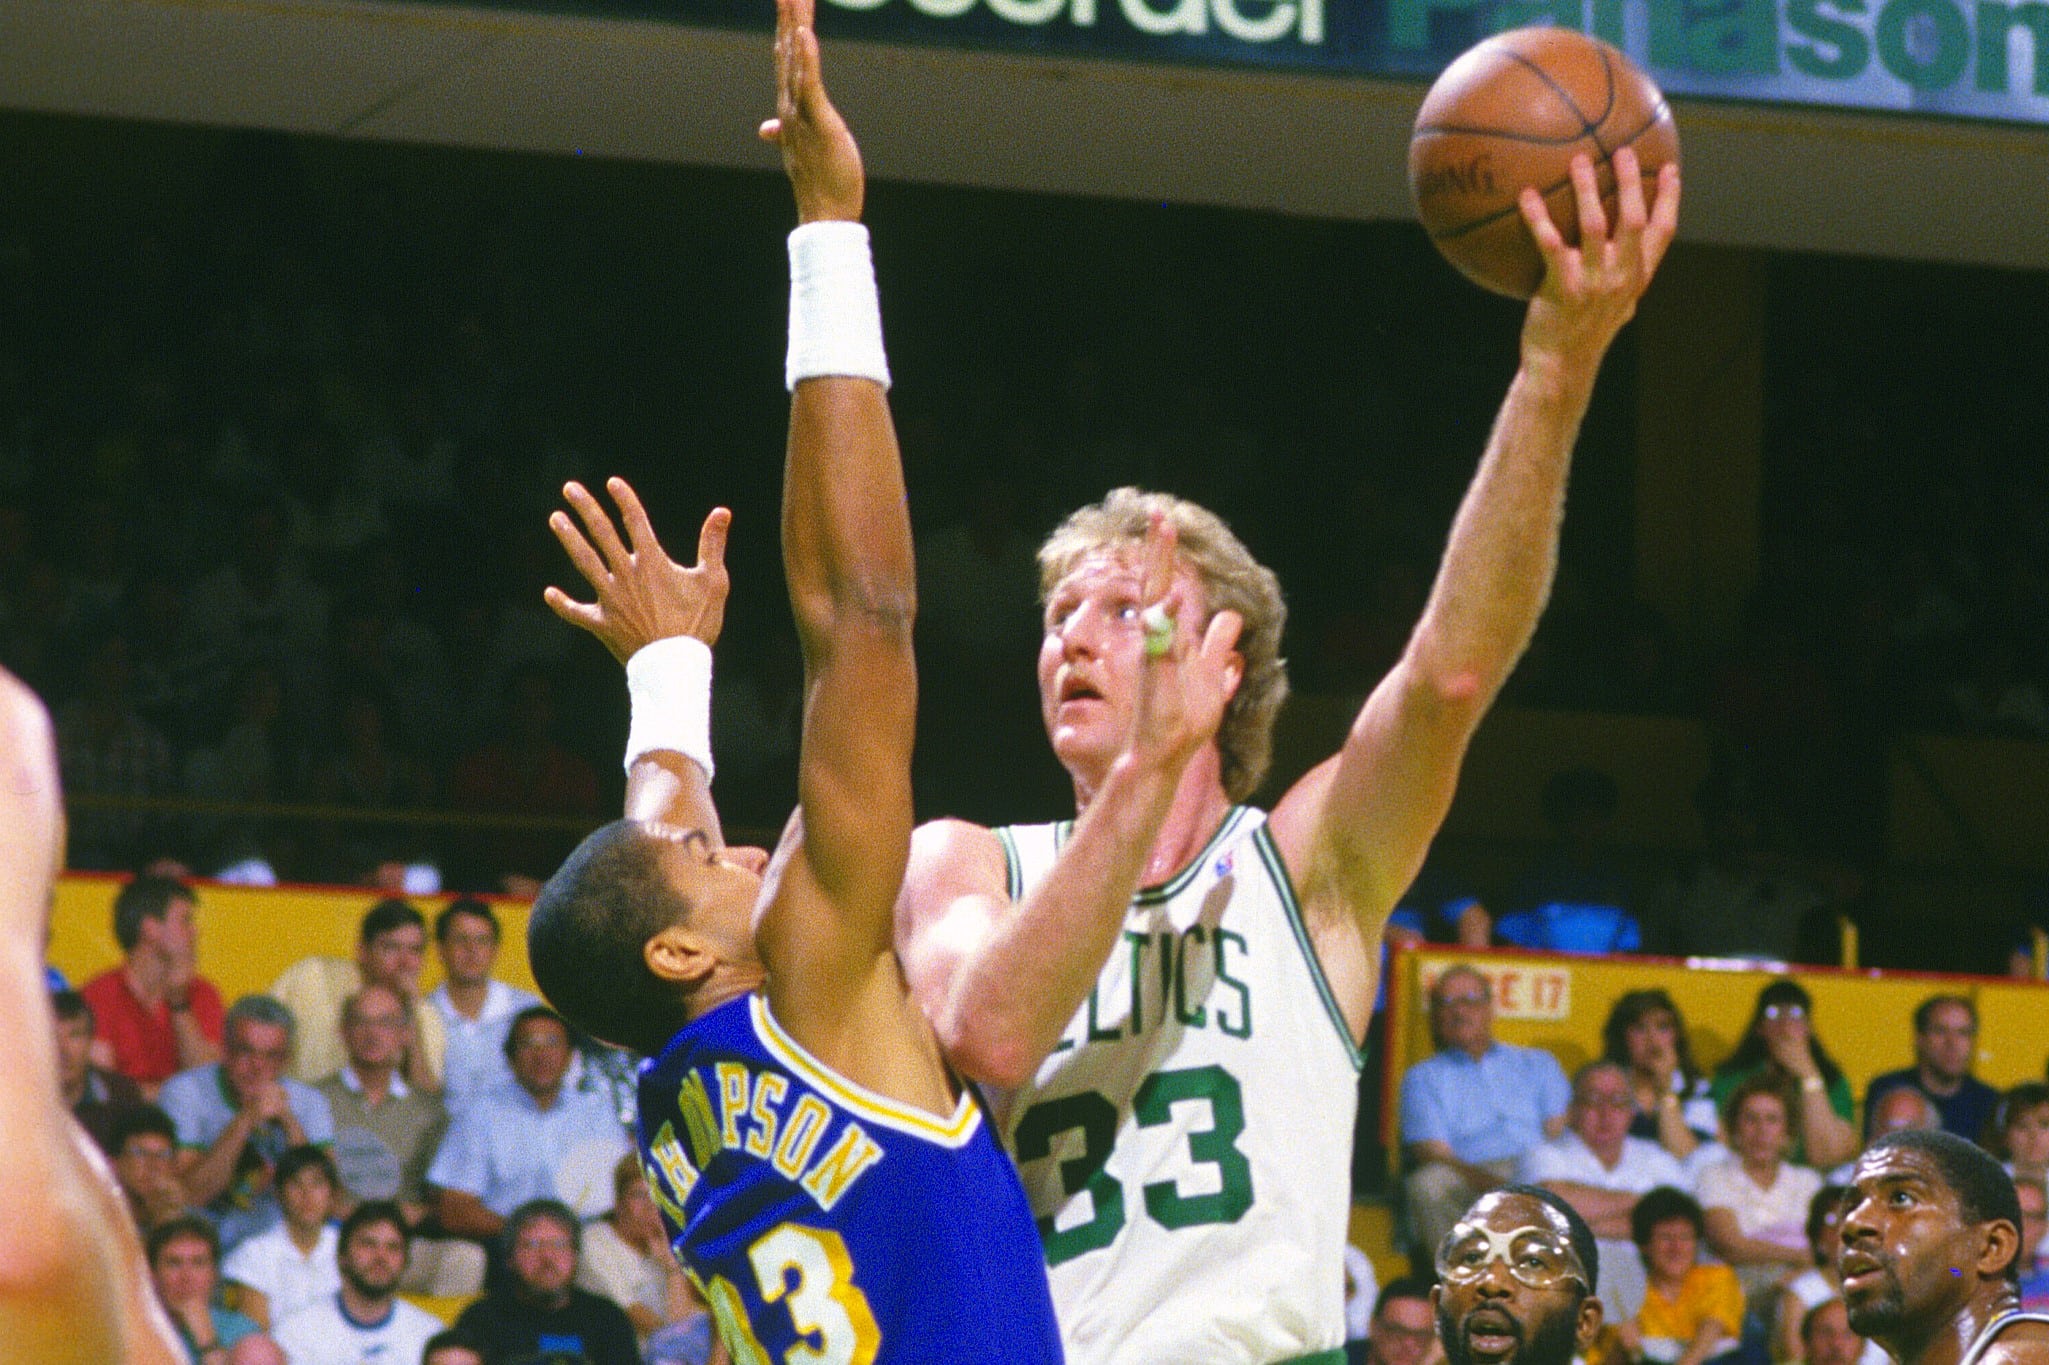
1232 580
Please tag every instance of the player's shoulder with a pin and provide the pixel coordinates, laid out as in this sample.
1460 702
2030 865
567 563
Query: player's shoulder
2025 1342
950 858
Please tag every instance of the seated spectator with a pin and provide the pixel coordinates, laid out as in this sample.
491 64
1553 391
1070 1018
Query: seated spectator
1945 1045
366 1321
541 1140
1646 1036
1575 898
391 947
1828 1339
144 1150
1472 1110
184 1263
385 1134
95 1098
155 1010
1596 1167
293 1263
476 1008
1897 1110
542 1310
454 1348
238 1116
2022 1131
1781 1047
1756 1200
2034 1265
1690 1312
1817 1284
626 1257
1403 1329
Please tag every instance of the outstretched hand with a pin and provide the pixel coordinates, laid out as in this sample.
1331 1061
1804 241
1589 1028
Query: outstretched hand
819 153
642 594
1184 687
1590 291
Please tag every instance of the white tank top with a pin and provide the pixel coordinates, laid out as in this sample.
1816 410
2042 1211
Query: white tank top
1187 1146
1989 1332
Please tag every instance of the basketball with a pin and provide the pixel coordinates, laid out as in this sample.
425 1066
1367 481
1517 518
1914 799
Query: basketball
1513 111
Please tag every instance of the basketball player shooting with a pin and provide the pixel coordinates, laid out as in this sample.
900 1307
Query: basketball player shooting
837 1194
1173 987
73 1286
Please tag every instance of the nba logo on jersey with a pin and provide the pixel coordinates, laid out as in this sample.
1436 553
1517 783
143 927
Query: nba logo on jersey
1224 865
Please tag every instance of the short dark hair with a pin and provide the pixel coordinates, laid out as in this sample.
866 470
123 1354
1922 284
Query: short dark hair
376 1211
527 1016
1636 1005
1827 1200
185 1225
1983 1189
69 1005
387 915
301 1158
139 1121
543 1211
1812 1315
1925 1011
454 1339
1583 1244
464 905
1402 1287
1661 1205
586 936
145 897
2015 1102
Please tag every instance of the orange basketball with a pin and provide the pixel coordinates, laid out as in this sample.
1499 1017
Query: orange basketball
1513 111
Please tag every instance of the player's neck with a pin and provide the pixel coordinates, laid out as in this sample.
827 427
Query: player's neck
728 981
1197 810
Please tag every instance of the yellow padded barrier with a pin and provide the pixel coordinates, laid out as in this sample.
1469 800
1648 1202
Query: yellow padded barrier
1864 1018
247 935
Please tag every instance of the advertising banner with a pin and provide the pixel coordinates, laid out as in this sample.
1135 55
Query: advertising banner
1985 59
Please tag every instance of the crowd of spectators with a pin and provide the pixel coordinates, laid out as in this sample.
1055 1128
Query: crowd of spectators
1713 1198
288 1216
276 447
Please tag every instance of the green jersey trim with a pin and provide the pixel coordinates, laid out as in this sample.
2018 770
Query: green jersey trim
1262 839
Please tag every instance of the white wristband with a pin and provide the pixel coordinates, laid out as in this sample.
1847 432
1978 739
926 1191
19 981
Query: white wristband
669 682
835 313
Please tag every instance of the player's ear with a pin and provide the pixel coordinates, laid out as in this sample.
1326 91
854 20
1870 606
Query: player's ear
1589 1326
1999 1244
679 955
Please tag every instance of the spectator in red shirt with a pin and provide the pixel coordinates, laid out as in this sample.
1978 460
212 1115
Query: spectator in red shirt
155 1010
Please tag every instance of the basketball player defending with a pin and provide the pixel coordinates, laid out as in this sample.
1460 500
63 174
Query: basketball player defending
838 1195
73 1286
1931 1254
1174 986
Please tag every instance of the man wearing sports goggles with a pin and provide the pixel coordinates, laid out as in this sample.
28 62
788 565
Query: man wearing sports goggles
1516 1281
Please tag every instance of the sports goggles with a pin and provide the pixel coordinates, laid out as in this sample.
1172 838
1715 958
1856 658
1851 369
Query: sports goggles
1535 1256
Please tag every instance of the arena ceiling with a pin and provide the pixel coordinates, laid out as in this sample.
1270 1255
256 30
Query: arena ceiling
1793 179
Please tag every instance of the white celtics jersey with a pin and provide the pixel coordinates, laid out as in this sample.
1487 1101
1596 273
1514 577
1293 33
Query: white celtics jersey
1187 1146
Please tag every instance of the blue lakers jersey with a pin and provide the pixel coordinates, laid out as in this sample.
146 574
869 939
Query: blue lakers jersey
828 1223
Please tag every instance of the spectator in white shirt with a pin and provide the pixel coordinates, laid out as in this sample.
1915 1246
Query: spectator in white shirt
295 1262
1599 1169
365 1323
626 1257
476 1009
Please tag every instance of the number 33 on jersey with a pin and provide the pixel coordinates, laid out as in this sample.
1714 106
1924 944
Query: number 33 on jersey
829 1225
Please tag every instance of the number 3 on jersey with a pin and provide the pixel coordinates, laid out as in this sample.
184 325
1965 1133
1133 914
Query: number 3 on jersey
1091 1114
824 1302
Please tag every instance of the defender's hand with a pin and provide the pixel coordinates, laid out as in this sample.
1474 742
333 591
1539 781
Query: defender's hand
643 595
1590 291
819 154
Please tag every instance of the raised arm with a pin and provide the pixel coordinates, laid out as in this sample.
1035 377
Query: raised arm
1354 830
641 597
72 1284
846 535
